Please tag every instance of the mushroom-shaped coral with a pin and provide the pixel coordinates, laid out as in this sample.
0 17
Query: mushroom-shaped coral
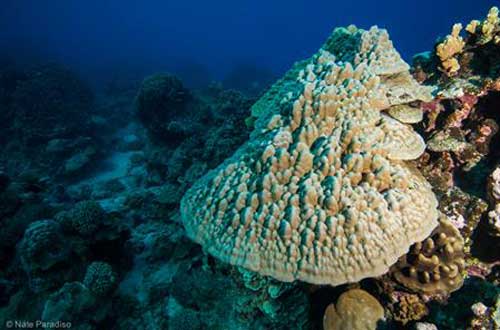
42 246
320 192
84 218
100 278
355 310
434 266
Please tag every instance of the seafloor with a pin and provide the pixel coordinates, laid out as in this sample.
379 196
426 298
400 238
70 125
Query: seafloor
356 192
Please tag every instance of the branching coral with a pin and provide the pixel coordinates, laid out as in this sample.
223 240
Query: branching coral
452 45
487 30
321 193
458 55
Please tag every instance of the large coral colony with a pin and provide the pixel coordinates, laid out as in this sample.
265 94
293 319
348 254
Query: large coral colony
356 193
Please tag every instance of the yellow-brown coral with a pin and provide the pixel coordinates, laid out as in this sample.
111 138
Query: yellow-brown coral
447 50
355 310
409 308
320 192
486 30
435 265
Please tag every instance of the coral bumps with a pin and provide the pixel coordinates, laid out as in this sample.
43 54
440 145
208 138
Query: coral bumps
321 192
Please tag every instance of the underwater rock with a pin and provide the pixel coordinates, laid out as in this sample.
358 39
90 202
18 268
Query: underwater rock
296 201
79 161
355 309
76 304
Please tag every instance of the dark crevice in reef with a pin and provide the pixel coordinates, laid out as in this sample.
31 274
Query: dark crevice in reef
472 181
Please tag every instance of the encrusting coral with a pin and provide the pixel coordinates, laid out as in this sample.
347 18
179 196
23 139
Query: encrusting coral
435 265
355 309
321 192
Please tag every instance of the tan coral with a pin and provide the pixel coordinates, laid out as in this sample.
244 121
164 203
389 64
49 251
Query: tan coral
486 30
409 307
447 51
320 192
435 265
406 114
355 310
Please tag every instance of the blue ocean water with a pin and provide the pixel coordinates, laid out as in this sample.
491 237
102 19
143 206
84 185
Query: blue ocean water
100 38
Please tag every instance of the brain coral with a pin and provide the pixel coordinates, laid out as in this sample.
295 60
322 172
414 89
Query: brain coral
320 192
100 278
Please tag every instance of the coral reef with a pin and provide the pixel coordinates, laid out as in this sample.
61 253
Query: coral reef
353 167
320 192
48 102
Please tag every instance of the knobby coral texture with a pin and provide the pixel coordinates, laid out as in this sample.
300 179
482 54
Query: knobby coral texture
322 191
